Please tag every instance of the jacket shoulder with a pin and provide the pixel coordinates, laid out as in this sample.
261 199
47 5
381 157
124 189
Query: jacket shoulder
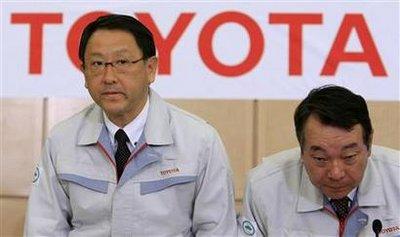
71 124
276 164
385 155
188 120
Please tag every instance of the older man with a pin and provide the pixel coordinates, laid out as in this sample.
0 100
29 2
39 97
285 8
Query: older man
131 164
336 184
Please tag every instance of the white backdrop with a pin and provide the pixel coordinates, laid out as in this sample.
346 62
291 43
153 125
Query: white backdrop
220 49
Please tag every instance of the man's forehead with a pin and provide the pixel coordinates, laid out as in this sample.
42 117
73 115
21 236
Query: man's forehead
314 123
109 38
321 137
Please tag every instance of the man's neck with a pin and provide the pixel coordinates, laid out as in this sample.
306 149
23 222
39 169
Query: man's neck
123 119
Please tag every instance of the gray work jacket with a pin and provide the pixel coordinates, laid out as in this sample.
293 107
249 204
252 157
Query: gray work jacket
177 182
280 199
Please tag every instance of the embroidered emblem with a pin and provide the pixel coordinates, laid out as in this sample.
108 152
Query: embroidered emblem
248 228
36 175
169 171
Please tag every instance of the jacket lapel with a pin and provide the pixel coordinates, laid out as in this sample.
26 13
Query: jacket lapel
309 197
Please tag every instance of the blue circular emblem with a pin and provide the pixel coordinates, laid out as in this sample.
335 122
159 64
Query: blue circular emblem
248 228
36 175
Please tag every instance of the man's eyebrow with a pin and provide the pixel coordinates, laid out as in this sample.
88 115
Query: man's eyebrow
351 145
119 51
317 148
96 54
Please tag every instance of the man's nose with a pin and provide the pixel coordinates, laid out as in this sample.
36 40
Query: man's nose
109 76
336 171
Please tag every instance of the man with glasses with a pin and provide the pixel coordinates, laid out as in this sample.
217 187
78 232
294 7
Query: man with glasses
130 164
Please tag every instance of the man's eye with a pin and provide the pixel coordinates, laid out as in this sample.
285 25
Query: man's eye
122 62
319 159
350 158
97 63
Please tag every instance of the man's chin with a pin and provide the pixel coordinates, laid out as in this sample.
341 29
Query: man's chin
112 109
336 194
111 104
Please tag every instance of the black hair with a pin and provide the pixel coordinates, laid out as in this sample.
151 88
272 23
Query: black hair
335 106
142 35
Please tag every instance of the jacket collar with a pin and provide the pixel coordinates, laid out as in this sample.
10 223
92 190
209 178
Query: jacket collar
92 125
370 191
157 129
309 197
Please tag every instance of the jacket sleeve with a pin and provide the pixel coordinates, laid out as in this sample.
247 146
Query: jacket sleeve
214 205
249 223
48 209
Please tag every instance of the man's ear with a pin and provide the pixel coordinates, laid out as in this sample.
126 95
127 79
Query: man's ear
370 142
82 68
151 68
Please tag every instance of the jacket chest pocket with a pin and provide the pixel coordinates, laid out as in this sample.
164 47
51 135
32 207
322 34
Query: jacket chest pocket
147 187
172 196
87 196
95 185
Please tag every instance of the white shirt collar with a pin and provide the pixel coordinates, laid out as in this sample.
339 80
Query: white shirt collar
352 194
134 129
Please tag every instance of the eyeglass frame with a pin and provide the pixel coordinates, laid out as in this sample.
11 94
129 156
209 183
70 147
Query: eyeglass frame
113 65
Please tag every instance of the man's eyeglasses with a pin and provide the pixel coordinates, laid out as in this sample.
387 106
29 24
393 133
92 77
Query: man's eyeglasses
97 67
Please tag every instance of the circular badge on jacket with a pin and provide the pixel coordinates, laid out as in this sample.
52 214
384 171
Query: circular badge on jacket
248 228
36 175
